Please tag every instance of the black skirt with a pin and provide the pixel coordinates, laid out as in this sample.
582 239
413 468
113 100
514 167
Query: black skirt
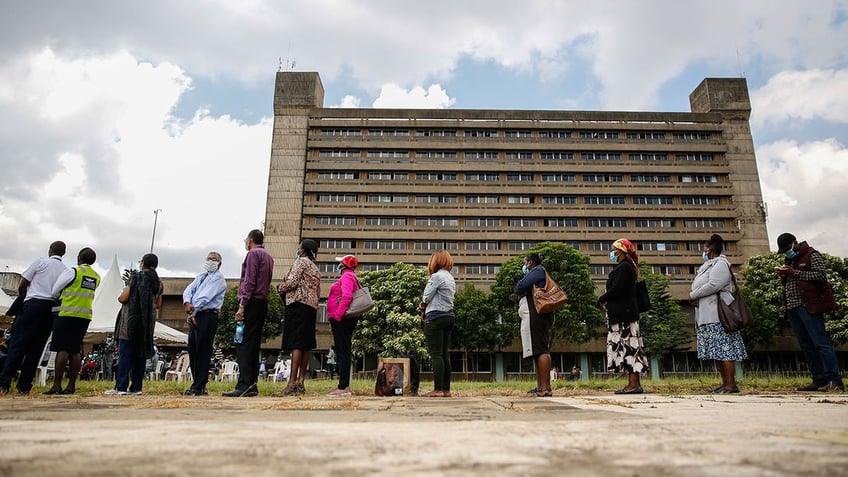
299 327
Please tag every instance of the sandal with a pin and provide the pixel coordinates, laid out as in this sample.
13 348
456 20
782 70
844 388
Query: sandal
534 391
723 390
541 393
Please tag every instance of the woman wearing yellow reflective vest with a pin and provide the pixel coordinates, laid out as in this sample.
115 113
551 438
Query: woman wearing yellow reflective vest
75 291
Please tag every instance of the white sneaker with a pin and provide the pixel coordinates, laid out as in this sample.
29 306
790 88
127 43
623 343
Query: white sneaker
136 393
115 392
340 392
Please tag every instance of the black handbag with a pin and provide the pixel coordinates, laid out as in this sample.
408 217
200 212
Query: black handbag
737 315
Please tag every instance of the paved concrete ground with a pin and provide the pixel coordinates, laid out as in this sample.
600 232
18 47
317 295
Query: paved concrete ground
747 435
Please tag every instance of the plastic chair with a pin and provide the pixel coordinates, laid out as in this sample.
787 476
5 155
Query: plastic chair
154 375
182 371
229 371
42 371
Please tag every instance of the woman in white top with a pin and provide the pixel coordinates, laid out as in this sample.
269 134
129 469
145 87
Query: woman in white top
714 279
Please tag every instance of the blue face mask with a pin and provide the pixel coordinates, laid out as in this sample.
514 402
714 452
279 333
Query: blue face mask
296 255
524 269
705 256
791 254
613 258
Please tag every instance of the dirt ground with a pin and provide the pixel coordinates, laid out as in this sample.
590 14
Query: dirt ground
748 435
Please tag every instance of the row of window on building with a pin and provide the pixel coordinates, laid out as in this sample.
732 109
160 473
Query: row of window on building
523 199
497 245
496 222
519 133
527 199
511 155
329 269
517 177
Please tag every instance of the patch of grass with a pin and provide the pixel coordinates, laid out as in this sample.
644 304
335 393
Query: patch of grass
753 384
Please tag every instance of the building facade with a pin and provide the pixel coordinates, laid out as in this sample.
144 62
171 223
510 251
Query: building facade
392 185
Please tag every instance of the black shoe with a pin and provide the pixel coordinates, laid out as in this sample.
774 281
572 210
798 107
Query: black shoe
251 391
195 392
833 386
638 390
811 387
52 391
68 391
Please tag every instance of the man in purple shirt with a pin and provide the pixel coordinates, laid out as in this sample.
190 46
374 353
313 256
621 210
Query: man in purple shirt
254 286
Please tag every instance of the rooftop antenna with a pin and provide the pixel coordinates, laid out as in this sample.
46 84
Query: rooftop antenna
280 67
290 63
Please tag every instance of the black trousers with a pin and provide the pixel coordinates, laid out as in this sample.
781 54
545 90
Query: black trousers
31 329
342 338
200 338
255 313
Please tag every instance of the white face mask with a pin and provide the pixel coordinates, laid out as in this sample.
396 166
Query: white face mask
210 265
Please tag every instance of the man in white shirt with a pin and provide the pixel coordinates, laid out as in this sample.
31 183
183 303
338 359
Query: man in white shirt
34 323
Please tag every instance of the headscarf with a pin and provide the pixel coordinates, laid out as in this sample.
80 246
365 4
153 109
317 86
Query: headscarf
629 250
624 245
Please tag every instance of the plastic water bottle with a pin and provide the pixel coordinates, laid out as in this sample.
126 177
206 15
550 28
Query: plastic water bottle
239 336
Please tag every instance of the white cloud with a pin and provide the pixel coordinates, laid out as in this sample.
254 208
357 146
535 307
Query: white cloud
802 95
393 96
348 102
103 153
804 187
633 47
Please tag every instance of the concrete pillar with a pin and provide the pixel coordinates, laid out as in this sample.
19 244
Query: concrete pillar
655 368
499 367
585 371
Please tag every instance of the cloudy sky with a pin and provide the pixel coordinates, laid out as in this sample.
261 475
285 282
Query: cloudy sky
111 110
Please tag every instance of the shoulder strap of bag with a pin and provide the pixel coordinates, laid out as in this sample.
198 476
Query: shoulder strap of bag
732 279
358 285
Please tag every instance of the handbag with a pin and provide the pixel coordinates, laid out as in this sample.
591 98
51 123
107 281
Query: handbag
550 298
737 315
643 299
360 303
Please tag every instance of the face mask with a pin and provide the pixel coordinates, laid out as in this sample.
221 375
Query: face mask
210 265
339 267
705 256
791 254
524 269
613 258
296 255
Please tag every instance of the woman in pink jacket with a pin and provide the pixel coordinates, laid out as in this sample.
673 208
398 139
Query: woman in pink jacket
338 301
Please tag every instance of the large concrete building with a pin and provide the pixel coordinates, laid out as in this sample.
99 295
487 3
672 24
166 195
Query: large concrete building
394 185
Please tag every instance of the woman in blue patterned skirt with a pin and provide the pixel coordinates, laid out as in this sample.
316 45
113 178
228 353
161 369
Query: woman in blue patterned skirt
713 280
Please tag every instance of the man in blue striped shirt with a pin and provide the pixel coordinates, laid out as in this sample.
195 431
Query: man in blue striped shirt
202 300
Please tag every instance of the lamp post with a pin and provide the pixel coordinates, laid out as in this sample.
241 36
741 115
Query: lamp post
155 219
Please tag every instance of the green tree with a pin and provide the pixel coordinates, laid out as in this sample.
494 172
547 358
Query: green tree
227 323
763 292
580 319
837 275
664 327
478 324
393 327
